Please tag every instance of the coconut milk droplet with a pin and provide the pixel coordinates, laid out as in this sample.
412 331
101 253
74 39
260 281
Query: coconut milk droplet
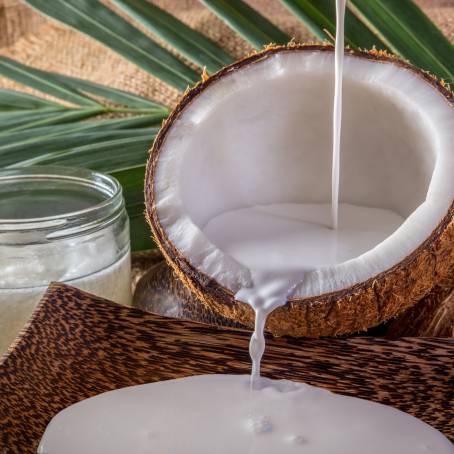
269 291
295 439
257 346
259 424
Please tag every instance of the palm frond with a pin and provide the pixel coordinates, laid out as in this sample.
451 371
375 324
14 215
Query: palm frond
114 95
190 43
46 83
101 23
248 22
320 18
408 32
111 155
11 100
131 180
15 140
21 121
56 146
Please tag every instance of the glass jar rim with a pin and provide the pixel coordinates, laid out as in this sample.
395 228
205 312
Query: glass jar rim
65 223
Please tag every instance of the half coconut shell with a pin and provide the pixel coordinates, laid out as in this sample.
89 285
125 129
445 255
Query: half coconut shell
348 310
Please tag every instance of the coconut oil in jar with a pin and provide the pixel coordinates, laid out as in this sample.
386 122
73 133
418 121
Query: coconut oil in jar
59 224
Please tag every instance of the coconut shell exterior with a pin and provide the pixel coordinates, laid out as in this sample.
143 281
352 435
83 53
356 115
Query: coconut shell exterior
433 316
159 289
347 311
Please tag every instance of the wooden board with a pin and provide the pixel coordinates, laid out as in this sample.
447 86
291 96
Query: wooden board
77 346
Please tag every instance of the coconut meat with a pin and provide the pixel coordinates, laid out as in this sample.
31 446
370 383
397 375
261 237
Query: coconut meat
261 137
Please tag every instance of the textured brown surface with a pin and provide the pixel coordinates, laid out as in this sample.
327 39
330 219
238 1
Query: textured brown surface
77 346
16 19
141 262
159 290
432 316
350 310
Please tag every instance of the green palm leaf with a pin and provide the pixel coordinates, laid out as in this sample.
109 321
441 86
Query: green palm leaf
190 43
43 81
16 140
15 100
320 17
132 182
10 120
408 32
41 149
141 237
105 156
44 117
67 88
251 25
96 20
114 95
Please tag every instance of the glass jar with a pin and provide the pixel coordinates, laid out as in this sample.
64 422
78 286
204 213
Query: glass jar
59 224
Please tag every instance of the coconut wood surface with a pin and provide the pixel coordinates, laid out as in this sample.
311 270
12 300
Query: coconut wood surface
78 345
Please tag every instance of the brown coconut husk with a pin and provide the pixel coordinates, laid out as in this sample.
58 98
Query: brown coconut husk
160 291
141 262
157 287
350 310
433 316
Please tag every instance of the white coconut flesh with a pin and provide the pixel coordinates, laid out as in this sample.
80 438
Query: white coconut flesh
256 143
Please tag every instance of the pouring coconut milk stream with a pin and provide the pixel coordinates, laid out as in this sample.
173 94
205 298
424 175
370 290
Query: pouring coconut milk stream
271 292
237 414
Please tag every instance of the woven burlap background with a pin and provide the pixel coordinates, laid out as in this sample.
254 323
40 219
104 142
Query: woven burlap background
32 39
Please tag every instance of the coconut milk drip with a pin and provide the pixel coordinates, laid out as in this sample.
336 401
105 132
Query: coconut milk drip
272 287
221 414
280 243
